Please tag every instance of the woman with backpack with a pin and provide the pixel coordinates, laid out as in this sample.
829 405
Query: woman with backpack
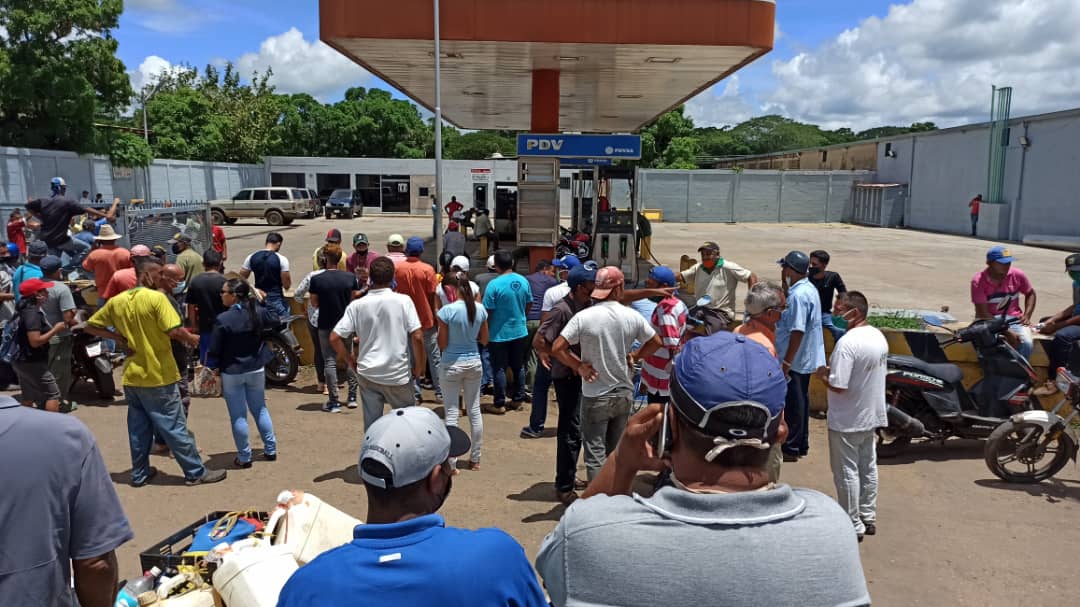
29 350
238 351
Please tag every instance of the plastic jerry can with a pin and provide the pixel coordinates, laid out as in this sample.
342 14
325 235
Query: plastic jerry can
252 575
309 526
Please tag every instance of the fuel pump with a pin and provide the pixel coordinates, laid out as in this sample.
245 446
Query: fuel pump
615 219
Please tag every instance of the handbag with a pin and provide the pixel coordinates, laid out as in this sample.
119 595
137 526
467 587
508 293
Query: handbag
207 384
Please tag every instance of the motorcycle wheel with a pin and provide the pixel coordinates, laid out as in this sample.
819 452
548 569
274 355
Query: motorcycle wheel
104 383
890 444
282 369
1021 442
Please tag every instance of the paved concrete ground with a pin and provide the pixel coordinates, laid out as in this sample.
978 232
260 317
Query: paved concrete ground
949 533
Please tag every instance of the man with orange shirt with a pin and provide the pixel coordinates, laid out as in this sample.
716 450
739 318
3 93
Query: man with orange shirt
417 279
765 302
123 279
105 260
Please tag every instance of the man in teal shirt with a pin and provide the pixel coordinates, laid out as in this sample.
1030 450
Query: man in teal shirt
508 299
30 269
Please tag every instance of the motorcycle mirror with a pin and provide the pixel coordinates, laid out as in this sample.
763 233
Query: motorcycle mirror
704 301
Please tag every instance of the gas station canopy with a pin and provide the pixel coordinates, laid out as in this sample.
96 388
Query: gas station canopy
615 64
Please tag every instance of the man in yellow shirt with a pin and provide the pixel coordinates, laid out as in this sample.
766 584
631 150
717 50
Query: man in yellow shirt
332 237
144 323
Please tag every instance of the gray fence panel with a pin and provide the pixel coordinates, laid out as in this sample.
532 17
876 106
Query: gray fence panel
77 173
179 181
159 181
840 198
223 186
12 186
102 178
710 196
667 192
804 197
758 197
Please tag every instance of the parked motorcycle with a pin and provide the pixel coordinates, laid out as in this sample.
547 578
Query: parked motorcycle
283 367
91 360
573 243
929 400
698 319
1039 442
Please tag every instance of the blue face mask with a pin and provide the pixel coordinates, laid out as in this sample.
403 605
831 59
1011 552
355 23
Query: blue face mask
179 288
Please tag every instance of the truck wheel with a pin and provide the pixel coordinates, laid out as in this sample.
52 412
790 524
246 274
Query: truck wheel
329 213
275 218
288 222
349 213
217 217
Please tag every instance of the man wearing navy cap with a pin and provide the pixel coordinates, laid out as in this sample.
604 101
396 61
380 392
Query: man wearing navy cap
405 554
801 348
720 514
996 290
668 319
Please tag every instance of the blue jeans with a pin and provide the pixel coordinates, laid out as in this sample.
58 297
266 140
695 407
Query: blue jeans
797 414
485 359
827 324
434 356
161 410
278 305
1058 350
974 224
75 250
204 348
508 354
245 392
1027 341
538 415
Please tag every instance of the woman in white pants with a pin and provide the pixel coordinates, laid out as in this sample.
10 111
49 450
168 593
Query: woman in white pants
462 324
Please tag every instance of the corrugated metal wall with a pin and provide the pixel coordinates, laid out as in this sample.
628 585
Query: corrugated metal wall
749 196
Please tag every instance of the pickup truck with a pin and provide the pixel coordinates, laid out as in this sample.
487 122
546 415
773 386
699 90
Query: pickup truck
278 205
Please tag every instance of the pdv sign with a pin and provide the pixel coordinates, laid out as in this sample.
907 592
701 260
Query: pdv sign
580 146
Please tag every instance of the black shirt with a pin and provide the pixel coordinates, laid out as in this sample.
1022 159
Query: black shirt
204 292
32 318
827 285
55 214
334 289
266 267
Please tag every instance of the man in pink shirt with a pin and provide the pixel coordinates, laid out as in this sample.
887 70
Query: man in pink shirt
997 290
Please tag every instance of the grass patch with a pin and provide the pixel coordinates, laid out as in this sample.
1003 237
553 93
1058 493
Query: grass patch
894 321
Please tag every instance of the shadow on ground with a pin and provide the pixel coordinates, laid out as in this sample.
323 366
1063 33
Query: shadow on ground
350 474
953 449
1054 490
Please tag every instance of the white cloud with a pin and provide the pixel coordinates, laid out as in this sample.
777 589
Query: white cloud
168 16
301 66
727 108
936 60
148 72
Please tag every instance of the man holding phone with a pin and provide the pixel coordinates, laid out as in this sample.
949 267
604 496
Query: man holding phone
727 397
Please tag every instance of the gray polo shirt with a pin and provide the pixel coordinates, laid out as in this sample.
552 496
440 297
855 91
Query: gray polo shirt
57 504
60 300
782 546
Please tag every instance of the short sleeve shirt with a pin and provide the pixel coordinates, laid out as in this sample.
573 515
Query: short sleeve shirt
719 284
383 321
539 283
267 267
24 272
60 300
144 317
121 281
828 286
204 293
552 326
56 214
191 262
554 295
461 342
334 288
32 318
606 331
58 505
417 280
858 366
507 298
997 295
217 236
103 263
803 314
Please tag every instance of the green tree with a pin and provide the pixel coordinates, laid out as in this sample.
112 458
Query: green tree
680 153
58 71
658 135
773 133
479 145
374 124
129 150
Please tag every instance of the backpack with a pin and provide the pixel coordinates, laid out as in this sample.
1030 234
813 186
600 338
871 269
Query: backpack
10 345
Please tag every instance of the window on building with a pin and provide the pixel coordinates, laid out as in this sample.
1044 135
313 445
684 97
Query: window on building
824 155
367 188
395 193
288 180
564 183
889 153
423 192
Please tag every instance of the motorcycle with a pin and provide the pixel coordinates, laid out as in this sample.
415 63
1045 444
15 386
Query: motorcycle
573 243
92 361
929 400
1033 437
697 319
283 367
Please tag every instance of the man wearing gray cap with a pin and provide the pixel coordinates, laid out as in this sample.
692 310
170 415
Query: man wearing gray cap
405 554
718 278
801 348
59 307
30 268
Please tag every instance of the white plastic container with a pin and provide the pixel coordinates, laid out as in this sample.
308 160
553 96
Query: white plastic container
252 575
203 597
309 526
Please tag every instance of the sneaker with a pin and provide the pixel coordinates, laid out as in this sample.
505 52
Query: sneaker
68 407
208 478
419 401
495 410
791 458
426 384
352 404
332 408
242 465
528 432
487 389
270 457
149 477
871 529
438 398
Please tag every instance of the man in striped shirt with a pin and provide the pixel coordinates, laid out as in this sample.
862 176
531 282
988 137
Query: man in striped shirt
669 322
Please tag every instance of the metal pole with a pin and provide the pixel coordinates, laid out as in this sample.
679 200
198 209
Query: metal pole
437 211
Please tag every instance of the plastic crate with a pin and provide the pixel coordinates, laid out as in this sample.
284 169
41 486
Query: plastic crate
168 553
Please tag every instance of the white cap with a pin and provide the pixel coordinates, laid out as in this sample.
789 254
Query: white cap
491 262
410 442
461 262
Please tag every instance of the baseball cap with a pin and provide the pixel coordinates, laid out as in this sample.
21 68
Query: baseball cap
999 254
663 275
1072 263
50 263
140 250
725 371
179 237
58 181
359 238
29 287
38 248
460 262
708 244
579 275
414 246
409 442
607 278
13 249
334 235
159 251
796 260
396 240
491 262
567 262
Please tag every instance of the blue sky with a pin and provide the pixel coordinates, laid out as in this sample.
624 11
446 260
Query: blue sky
858 63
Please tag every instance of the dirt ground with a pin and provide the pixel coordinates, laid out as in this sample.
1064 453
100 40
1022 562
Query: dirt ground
949 532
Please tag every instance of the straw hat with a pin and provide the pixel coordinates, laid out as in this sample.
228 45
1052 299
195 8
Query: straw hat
108 233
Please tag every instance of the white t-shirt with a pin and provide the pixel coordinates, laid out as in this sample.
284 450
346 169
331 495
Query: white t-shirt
858 364
605 333
383 320
554 295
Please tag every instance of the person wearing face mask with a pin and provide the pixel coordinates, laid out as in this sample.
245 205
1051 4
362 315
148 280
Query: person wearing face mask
403 553
765 303
828 285
856 381
171 285
717 277
186 257
36 381
1065 327
801 347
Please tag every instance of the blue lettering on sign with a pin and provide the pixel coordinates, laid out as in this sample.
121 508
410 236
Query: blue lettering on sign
580 146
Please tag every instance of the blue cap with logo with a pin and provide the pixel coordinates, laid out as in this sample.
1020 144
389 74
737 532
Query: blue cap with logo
726 371
50 263
999 254
414 246
663 275
567 262
579 275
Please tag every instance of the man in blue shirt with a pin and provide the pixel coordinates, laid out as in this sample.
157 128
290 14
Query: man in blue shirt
801 348
508 299
30 269
405 554
271 270
536 375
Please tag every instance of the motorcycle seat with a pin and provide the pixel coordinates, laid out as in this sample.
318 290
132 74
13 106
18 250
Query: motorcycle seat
948 372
